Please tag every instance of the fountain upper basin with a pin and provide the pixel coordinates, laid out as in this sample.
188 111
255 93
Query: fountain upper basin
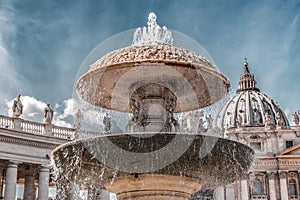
192 78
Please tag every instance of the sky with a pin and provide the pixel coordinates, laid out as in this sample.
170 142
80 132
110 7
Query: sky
43 44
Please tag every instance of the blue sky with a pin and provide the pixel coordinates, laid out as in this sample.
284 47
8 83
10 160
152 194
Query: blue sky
43 43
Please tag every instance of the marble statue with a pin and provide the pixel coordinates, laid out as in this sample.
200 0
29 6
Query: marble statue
106 123
296 119
239 120
267 119
278 119
256 117
17 107
48 114
78 119
209 121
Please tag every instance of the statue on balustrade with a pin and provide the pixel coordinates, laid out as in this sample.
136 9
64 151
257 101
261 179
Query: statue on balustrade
17 107
106 123
48 114
296 119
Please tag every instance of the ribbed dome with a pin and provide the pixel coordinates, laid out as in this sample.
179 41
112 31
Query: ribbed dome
250 107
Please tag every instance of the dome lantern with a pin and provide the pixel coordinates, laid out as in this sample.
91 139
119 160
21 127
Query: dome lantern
247 81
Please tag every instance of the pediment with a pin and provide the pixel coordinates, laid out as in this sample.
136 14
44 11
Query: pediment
293 150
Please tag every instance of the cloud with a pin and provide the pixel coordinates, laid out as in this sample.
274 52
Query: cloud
65 113
7 33
33 110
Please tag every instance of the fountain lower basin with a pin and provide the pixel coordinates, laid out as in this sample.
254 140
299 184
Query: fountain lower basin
152 165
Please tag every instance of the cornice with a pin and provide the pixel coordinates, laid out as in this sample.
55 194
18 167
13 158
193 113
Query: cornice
28 139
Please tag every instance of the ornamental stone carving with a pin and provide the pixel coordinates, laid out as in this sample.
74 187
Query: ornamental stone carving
271 175
282 174
296 119
153 53
17 107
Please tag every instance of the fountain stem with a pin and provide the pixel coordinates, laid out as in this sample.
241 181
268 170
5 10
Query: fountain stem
152 106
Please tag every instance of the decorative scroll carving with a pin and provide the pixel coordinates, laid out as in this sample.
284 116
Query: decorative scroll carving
282 174
152 106
271 175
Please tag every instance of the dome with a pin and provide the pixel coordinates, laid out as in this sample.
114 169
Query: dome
250 107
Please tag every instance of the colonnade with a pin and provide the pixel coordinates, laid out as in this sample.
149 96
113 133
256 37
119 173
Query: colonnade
29 184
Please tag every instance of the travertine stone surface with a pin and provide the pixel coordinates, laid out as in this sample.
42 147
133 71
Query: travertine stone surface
192 78
154 187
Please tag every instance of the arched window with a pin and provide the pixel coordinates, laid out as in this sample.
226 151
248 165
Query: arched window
257 187
292 187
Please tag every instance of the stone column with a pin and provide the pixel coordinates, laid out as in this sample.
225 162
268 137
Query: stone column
283 185
43 191
244 190
11 181
74 192
1 182
29 190
272 188
219 193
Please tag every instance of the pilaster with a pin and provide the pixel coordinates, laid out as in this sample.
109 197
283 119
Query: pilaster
272 187
283 185
244 190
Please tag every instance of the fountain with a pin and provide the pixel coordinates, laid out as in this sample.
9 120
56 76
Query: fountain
151 79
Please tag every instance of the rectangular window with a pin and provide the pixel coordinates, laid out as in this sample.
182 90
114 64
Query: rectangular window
289 143
256 146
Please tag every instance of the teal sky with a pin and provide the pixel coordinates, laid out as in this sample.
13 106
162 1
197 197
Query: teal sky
43 43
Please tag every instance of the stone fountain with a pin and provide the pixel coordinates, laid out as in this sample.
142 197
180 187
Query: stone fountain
151 79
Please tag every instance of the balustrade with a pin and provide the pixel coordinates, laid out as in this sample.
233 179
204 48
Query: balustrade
6 122
36 127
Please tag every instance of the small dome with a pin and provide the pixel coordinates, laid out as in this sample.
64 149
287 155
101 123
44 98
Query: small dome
250 107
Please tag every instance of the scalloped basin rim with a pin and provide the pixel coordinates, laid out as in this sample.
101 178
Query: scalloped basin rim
225 160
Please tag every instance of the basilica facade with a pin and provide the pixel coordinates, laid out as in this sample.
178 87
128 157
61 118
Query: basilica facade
256 120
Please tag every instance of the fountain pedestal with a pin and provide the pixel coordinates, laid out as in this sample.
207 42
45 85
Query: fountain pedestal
153 187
